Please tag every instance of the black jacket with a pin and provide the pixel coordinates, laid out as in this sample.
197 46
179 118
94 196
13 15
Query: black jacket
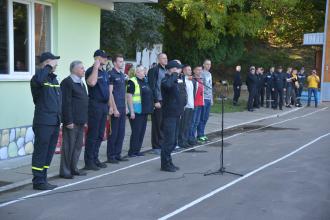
252 82
173 101
279 80
152 80
75 102
269 80
47 97
237 79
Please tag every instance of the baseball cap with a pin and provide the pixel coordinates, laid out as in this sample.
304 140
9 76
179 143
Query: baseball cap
48 56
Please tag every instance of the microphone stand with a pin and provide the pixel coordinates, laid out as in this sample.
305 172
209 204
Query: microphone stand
222 170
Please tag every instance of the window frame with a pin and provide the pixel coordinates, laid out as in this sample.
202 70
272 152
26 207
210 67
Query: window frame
24 76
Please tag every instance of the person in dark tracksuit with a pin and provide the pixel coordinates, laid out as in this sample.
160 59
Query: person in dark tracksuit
98 108
74 119
141 104
262 87
173 107
279 83
301 82
256 100
268 85
47 98
237 85
118 108
155 76
184 96
289 87
251 82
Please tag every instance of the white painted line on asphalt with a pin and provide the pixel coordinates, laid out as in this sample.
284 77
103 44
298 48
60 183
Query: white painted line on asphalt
263 118
145 161
212 193
244 132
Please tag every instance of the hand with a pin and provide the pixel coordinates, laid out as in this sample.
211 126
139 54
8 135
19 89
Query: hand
284 90
237 87
110 111
158 105
273 89
97 63
132 116
70 126
116 113
52 63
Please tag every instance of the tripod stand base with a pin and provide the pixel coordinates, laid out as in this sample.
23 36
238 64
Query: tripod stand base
222 171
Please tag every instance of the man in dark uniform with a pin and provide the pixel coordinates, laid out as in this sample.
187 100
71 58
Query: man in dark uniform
118 107
256 100
301 81
268 84
155 76
47 98
98 107
279 83
173 107
251 82
237 85
262 87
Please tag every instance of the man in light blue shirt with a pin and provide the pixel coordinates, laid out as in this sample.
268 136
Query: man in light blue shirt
208 100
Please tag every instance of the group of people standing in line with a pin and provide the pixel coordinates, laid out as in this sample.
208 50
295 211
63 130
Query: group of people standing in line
178 98
276 88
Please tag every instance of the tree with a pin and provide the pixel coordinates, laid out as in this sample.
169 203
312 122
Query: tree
286 23
130 27
224 30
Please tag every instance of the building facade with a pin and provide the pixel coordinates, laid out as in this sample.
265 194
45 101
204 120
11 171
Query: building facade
68 28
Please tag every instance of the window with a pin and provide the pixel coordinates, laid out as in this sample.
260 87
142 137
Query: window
21 37
3 37
25 33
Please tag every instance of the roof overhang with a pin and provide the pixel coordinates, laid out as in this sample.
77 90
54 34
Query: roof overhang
109 4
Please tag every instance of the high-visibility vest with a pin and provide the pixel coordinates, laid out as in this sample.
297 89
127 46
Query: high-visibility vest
137 104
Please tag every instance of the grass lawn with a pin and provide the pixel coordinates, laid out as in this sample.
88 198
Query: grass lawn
229 107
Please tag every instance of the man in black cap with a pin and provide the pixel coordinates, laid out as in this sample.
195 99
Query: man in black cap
173 107
98 108
47 98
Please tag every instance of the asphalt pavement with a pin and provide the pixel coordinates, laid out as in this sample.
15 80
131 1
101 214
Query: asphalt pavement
284 162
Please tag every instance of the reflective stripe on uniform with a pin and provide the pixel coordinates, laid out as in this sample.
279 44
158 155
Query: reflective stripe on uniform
51 85
37 168
46 167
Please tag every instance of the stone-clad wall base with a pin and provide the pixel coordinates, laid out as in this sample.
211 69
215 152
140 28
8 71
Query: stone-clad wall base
16 142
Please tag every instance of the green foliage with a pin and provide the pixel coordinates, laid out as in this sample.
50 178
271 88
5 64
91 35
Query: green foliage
227 30
228 106
130 27
289 21
207 21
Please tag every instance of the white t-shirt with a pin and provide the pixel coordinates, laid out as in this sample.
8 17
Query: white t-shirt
190 93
